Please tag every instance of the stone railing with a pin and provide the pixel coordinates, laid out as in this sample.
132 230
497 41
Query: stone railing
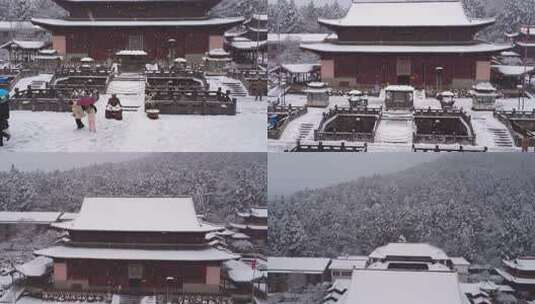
439 148
445 138
193 102
338 147
41 100
320 134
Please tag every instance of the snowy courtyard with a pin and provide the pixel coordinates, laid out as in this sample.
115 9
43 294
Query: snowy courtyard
395 129
52 131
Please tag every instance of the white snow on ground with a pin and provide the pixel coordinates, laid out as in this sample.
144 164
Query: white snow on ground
396 134
49 132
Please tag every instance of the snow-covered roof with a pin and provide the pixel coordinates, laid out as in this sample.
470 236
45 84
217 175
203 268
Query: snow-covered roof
513 70
348 264
258 212
240 272
23 44
523 263
484 87
48 52
479 47
139 23
527 30
204 254
218 52
246 44
240 236
300 67
251 227
400 88
525 44
9 217
518 280
36 268
404 287
316 84
409 250
138 215
261 17
297 265
406 13
131 53
300 37
459 261
18 25
509 54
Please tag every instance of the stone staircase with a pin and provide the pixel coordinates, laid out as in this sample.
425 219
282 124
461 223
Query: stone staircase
38 84
305 130
236 89
129 77
130 299
395 131
501 137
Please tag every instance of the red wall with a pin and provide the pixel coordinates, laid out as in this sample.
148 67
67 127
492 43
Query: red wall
371 69
102 44
102 273
137 237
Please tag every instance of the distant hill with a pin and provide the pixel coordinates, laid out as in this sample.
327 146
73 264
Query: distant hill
478 206
221 183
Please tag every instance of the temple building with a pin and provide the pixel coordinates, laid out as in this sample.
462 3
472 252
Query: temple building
253 223
250 44
524 42
426 44
101 28
137 245
520 275
405 273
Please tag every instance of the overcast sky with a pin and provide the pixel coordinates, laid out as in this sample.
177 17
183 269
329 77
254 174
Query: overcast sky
291 172
60 161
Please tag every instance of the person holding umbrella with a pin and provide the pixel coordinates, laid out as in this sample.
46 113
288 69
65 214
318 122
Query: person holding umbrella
88 104
4 116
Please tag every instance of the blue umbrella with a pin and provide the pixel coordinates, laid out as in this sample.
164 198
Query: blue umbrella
4 94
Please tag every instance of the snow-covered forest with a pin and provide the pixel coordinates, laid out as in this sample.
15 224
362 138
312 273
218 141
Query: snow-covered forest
481 207
221 183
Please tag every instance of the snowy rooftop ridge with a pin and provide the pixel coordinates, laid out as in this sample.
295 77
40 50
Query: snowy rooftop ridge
128 23
297 265
385 286
138 215
398 13
409 249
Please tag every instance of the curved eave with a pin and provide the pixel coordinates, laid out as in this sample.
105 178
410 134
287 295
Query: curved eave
66 252
70 226
323 48
338 23
63 23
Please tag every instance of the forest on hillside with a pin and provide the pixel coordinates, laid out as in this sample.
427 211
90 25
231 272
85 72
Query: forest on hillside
220 183
481 207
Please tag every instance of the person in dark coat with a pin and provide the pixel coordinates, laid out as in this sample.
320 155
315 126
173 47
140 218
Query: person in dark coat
4 117
114 101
